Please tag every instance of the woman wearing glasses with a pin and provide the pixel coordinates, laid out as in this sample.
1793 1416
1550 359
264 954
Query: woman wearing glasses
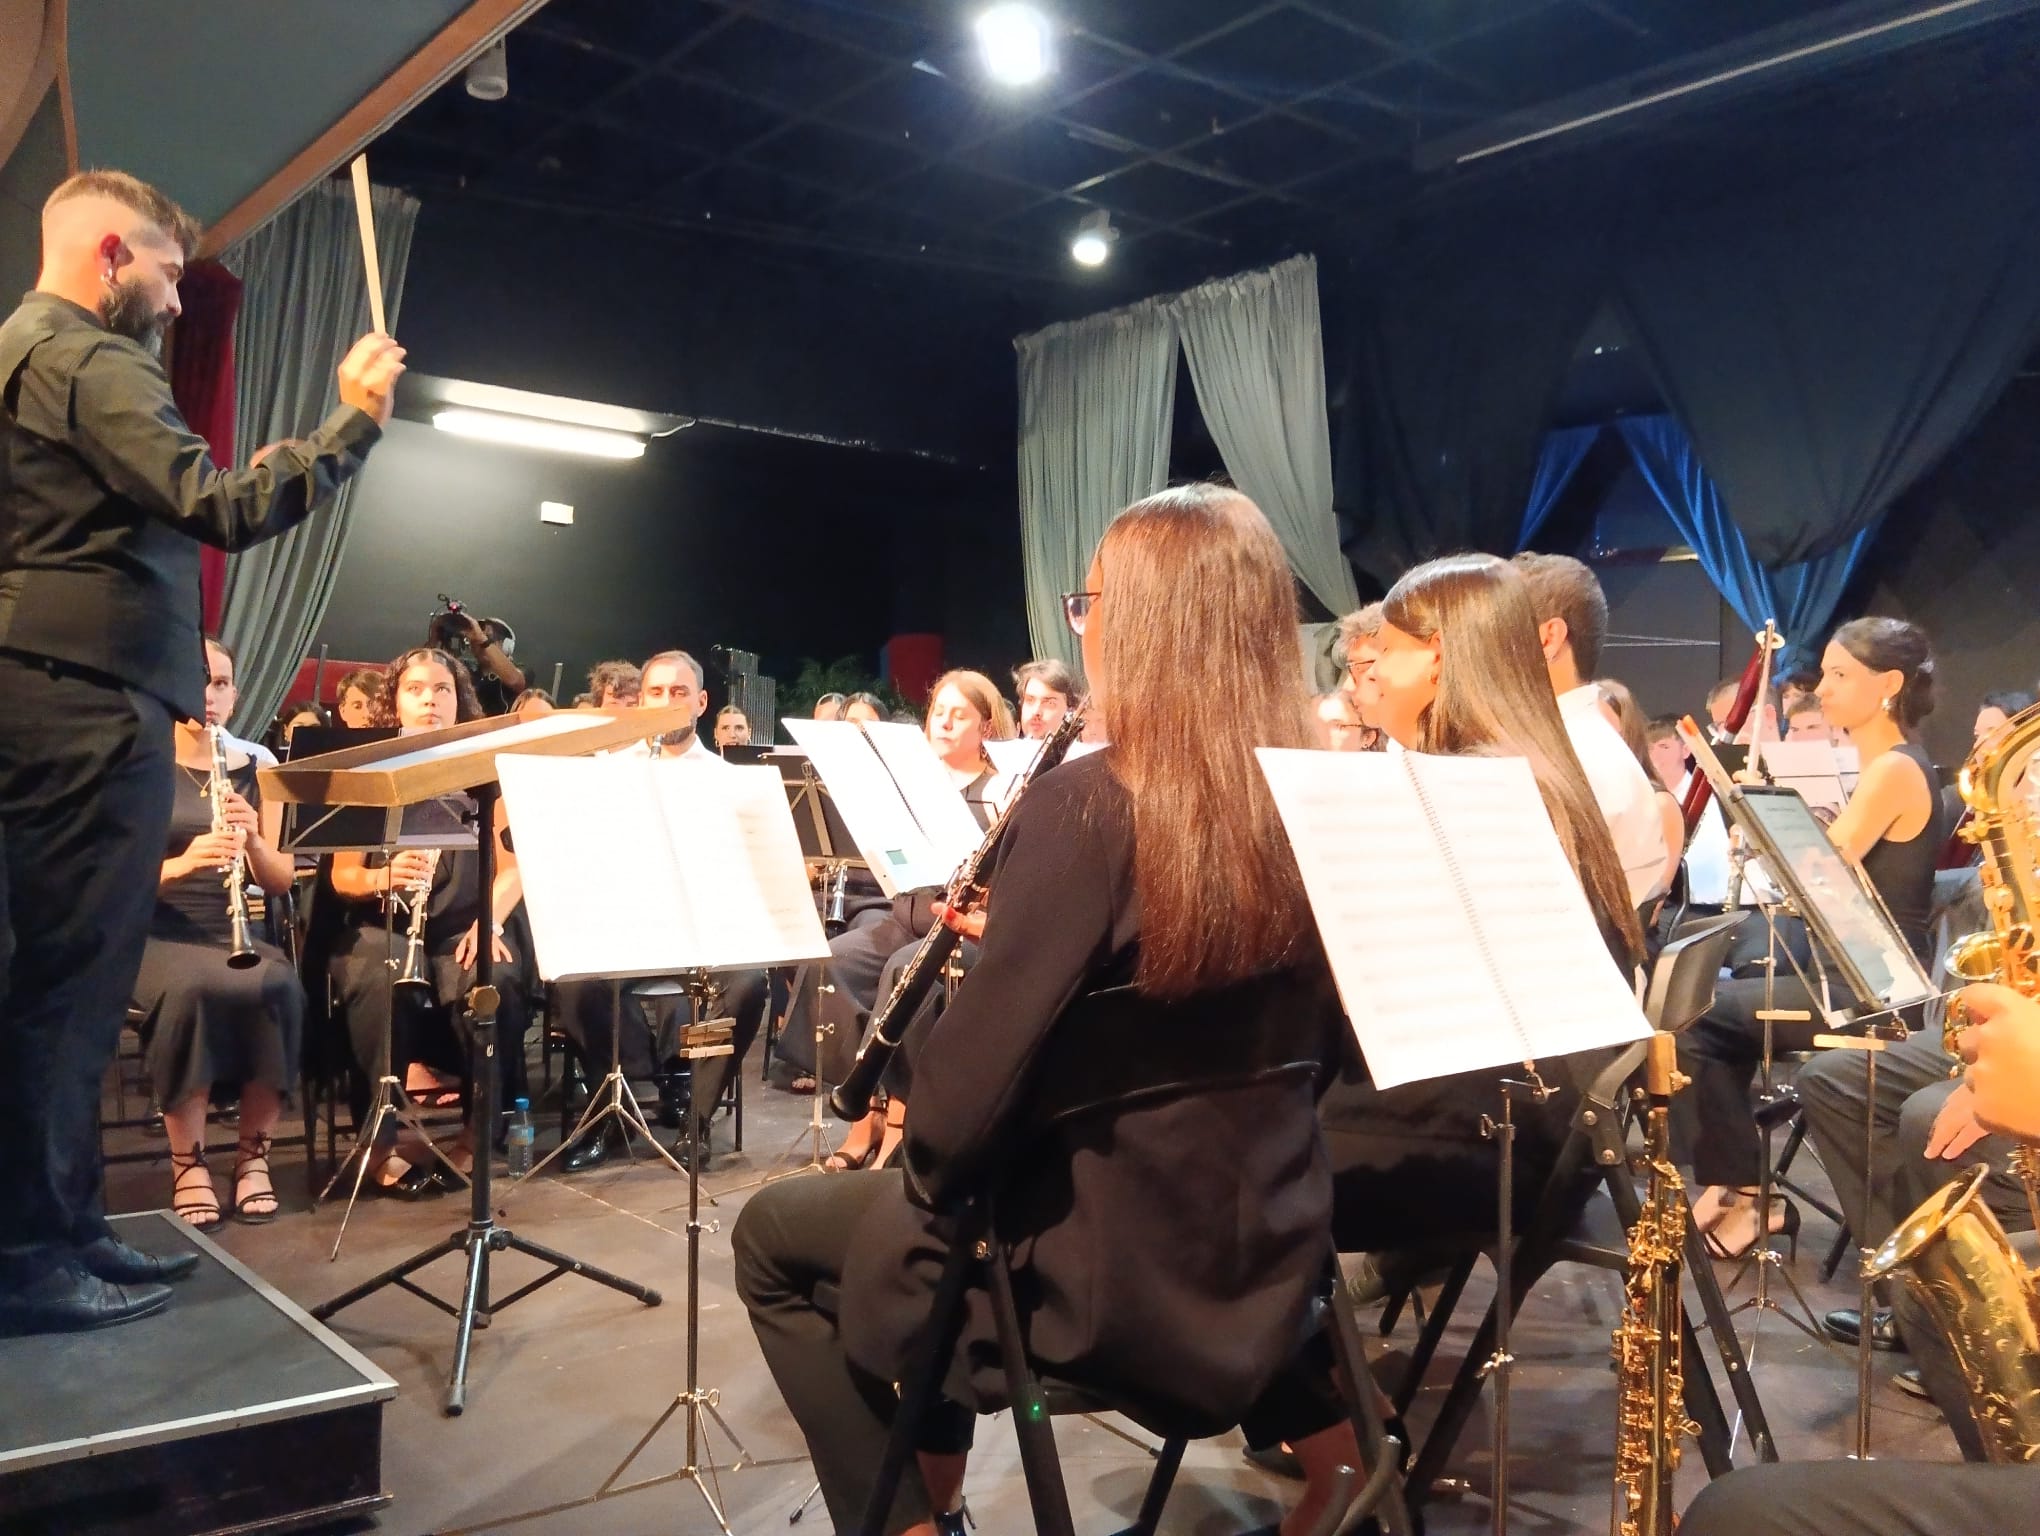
1102 893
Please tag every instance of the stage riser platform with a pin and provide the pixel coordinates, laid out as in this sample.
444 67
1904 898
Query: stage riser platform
230 1412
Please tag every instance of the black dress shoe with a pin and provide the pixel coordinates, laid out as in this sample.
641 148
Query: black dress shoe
111 1259
70 1300
680 1151
1846 1323
415 1184
592 1151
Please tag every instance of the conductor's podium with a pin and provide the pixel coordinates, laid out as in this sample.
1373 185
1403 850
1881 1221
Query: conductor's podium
229 1411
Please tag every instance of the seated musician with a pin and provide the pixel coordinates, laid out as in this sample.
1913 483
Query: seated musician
1910 1498
1634 730
210 1031
1048 691
613 684
732 728
964 712
1805 720
1459 669
1761 719
354 700
829 707
1877 683
424 690
1572 618
1338 722
290 718
531 704
1107 872
587 1009
863 708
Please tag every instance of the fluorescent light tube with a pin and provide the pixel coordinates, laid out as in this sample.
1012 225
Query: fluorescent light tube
534 432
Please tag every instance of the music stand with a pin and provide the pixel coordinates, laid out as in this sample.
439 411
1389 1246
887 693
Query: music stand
405 772
825 843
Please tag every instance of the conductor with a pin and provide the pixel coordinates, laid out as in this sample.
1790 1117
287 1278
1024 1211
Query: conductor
105 498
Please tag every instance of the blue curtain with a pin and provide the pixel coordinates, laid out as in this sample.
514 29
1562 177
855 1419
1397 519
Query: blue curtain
1801 597
1562 453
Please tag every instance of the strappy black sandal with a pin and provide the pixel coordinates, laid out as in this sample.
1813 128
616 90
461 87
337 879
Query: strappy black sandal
252 1160
194 1201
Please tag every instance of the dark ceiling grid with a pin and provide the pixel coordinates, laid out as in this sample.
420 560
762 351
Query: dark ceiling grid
860 126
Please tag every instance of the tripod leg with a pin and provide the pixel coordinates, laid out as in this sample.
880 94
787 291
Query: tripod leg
410 1266
1700 1267
477 1271
573 1266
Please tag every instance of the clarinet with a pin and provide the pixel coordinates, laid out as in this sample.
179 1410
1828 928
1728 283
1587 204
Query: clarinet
241 946
851 1099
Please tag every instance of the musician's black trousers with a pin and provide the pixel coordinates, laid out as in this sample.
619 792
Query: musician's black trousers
793 1241
87 775
1859 1498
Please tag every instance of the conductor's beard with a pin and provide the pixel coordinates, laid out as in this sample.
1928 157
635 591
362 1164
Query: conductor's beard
128 312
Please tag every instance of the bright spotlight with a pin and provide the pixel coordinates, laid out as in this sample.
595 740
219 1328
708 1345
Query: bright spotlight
1014 41
1093 241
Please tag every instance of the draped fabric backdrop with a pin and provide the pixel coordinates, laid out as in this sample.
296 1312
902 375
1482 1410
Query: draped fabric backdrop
1826 345
1097 397
1459 355
1556 465
202 384
1255 344
1801 597
305 303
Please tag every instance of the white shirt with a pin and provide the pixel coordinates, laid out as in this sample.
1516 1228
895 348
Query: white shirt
1623 791
254 749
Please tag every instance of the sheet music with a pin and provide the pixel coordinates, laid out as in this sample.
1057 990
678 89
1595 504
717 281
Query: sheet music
644 867
931 794
734 838
1814 768
1418 956
1527 902
1389 916
1013 758
888 838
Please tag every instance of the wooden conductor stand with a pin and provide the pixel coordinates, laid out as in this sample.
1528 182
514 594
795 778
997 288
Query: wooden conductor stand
405 771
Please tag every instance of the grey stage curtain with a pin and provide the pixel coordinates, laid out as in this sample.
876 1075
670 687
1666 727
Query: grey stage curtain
304 302
1097 398
1257 359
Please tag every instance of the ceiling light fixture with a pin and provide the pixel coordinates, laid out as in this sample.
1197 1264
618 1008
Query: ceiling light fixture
1093 242
1014 42
535 432
488 77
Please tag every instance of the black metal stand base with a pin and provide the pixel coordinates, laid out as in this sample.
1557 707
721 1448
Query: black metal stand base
482 1236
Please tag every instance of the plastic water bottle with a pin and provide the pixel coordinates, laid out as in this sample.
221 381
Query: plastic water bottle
519 1150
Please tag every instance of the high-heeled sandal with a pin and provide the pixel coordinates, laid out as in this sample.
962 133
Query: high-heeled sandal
843 1162
252 1159
1788 1228
196 1203
955 1522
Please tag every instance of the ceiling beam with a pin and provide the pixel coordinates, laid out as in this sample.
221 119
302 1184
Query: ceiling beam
450 51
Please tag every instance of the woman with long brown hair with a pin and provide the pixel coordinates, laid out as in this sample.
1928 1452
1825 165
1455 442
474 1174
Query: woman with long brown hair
1147 880
1457 670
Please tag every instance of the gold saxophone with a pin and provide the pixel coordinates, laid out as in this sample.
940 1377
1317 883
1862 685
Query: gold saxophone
1951 1253
1650 1409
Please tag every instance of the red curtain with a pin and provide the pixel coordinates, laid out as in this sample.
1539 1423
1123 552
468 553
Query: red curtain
202 383
912 663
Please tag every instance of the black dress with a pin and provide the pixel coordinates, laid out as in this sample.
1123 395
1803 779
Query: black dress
209 1027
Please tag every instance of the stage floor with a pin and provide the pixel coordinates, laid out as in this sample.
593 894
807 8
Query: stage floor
565 1383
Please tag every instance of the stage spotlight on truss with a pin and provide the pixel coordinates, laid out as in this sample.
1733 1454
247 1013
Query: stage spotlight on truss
1093 241
1014 42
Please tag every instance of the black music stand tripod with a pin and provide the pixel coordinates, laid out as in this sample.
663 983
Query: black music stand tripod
482 1236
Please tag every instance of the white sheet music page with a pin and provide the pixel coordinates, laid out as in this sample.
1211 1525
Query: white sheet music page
601 886
1527 905
888 837
737 853
1400 940
929 790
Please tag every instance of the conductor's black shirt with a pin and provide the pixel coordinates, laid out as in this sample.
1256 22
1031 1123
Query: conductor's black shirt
106 495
